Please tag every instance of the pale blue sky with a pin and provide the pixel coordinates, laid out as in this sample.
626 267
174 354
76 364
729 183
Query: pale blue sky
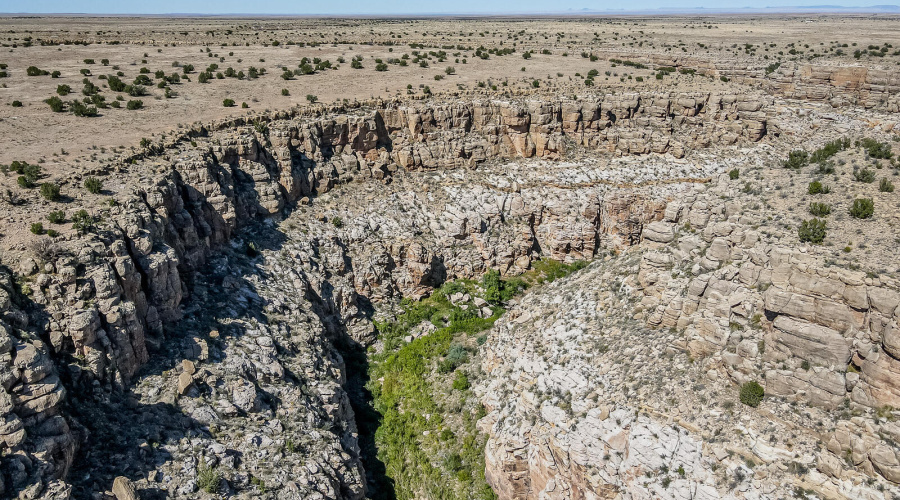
383 7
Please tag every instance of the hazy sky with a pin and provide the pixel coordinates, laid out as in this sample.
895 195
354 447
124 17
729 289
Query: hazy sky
362 7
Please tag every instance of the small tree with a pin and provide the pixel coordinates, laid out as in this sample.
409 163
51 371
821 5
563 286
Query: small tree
311 98
135 104
228 103
862 208
491 283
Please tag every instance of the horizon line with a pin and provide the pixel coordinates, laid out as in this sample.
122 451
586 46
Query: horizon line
815 9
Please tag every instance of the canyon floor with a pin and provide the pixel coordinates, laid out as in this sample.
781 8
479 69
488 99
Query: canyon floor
561 258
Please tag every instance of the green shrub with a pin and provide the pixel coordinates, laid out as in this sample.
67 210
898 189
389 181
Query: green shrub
550 270
228 103
93 185
81 109
37 228
752 393
864 175
337 222
819 209
52 233
208 479
134 104
812 231
56 104
491 284
63 90
829 149
285 92
886 186
875 149
311 98
50 191
456 356
56 217
17 104
734 174
35 71
862 208
816 187
796 159
83 222
461 382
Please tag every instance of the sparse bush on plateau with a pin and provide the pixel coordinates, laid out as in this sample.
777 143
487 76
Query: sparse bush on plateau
93 185
50 191
56 217
819 209
83 222
886 186
812 231
35 71
734 174
864 175
862 208
56 104
816 187
228 103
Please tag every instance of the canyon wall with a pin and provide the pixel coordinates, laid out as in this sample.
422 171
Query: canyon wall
82 315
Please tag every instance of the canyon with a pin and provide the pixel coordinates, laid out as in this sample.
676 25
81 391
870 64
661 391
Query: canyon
216 323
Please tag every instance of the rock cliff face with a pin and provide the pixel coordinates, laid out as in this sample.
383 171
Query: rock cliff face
621 382
95 308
